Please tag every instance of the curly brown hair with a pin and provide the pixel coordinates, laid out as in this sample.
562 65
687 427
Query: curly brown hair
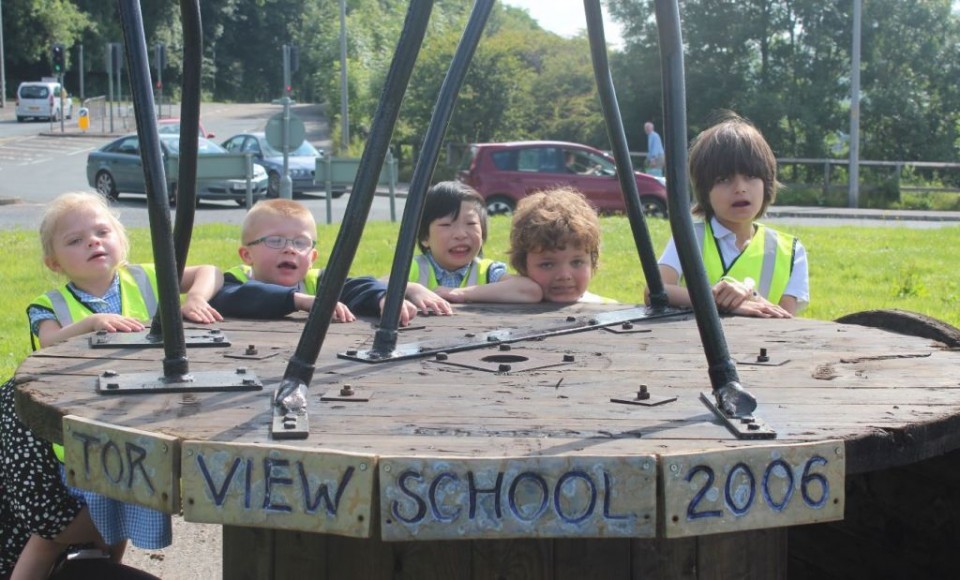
551 220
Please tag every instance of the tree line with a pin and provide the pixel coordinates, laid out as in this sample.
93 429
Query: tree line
784 64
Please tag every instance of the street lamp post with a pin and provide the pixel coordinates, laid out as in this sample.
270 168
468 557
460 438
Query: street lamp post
3 70
344 115
853 193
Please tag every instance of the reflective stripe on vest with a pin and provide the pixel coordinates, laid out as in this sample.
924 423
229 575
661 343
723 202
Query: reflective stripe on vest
138 299
422 271
768 259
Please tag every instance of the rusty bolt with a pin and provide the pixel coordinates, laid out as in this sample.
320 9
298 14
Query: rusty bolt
593 321
218 338
241 370
442 356
251 350
569 358
113 385
753 427
627 325
505 347
214 331
762 357
346 391
492 338
109 373
470 334
747 420
504 368
351 352
643 394
571 319
248 382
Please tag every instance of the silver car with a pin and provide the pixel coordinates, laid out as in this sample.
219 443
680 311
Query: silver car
301 162
116 167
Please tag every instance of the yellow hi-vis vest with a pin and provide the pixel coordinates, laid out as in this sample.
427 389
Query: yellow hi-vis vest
422 271
138 299
306 286
767 259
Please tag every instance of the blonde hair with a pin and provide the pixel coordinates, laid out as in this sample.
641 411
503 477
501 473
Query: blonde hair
68 204
551 220
281 208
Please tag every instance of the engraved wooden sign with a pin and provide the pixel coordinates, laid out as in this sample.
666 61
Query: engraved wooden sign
278 487
121 463
564 496
752 487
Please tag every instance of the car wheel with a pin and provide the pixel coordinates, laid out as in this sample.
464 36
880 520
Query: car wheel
338 193
500 205
106 186
273 184
20 119
653 207
55 117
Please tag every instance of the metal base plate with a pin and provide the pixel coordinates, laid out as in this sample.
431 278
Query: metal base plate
472 340
147 383
192 336
748 427
650 401
288 425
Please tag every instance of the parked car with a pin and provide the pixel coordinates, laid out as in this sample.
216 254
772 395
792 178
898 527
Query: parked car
504 173
116 168
172 126
42 100
302 162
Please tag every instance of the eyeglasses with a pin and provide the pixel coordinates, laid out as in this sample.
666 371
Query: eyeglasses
299 243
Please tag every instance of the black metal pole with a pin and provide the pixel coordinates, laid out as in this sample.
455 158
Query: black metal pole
621 152
385 340
723 371
158 209
300 368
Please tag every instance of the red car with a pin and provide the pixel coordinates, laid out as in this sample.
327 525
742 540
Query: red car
505 172
172 125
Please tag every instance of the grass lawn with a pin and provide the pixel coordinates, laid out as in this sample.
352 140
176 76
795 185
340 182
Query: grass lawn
851 268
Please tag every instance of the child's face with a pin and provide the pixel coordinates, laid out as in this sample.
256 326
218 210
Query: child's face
454 243
286 266
737 199
564 275
86 247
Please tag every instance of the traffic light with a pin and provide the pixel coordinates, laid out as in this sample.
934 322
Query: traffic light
58 58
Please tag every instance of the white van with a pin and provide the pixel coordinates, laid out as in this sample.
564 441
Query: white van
41 100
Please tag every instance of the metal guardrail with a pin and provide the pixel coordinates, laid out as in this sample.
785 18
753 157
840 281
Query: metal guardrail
223 166
342 171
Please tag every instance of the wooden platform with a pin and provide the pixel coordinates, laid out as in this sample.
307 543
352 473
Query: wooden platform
465 448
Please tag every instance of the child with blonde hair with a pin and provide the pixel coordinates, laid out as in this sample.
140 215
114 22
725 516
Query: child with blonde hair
84 241
277 278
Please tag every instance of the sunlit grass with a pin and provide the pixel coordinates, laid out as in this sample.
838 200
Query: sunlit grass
851 268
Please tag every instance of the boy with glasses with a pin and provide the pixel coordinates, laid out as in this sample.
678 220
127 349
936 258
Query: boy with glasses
278 249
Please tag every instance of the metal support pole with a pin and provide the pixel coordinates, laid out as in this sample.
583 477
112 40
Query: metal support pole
300 368
344 111
385 339
731 397
853 196
621 152
286 184
175 365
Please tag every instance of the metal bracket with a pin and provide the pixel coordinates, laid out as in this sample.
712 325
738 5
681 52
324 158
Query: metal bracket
192 337
114 383
745 427
473 340
643 398
505 360
288 424
348 394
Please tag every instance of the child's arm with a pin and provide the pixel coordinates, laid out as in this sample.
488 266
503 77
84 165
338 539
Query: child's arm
730 296
50 332
427 300
341 313
201 283
510 289
254 299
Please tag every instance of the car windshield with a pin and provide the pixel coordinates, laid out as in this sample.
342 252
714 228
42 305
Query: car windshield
204 146
304 150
